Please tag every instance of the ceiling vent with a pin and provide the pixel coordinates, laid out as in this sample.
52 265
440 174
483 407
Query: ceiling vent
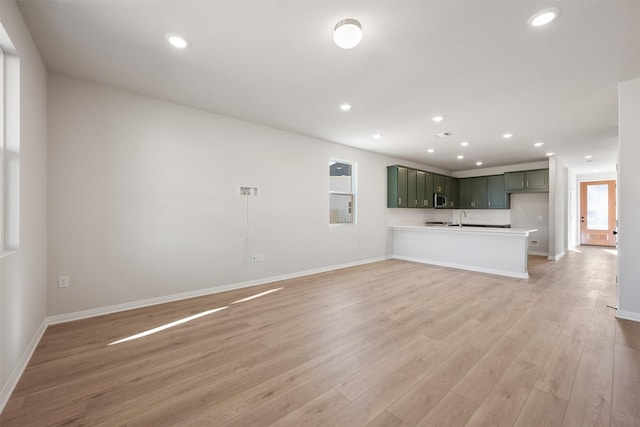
442 134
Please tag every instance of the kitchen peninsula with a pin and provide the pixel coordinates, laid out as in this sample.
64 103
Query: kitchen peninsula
502 251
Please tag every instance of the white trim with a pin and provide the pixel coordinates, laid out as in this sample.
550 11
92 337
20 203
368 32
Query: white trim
68 317
464 267
557 257
628 315
12 382
539 253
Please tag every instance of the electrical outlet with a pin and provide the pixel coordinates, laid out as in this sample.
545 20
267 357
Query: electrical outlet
248 191
63 281
257 258
535 243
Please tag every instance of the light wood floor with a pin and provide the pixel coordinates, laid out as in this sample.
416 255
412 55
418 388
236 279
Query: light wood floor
387 344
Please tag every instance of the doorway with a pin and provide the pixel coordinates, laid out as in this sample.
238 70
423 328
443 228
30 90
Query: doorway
598 213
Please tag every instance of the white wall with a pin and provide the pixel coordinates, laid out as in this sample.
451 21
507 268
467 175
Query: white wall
144 199
531 210
23 273
558 208
628 201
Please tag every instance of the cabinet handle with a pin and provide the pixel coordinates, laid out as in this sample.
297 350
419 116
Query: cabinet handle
415 202
399 201
522 184
425 203
489 203
527 183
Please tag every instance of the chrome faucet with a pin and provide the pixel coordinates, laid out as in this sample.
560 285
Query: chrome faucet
460 221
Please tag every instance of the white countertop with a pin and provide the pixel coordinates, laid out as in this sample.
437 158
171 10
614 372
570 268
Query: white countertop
469 229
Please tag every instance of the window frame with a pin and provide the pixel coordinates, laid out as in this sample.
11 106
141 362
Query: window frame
352 193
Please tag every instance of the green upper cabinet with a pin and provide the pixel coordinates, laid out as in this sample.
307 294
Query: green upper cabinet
397 187
535 180
438 183
412 188
498 197
428 190
465 192
451 191
423 194
474 192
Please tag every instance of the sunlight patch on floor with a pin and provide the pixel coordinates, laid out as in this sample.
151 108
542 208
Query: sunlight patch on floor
256 296
168 325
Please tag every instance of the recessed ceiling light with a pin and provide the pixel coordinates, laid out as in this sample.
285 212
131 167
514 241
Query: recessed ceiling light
430 150
478 163
464 143
345 107
588 156
550 154
538 144
507 135
544 17
442 134
460 157
438 119
177 40
347 33
376 136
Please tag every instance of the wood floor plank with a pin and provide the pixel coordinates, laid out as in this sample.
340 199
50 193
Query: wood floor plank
451 411
542 410
590 401
315 411
560 369
505 401
626 385
390 343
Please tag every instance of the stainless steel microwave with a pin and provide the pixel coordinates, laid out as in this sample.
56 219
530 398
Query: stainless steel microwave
439 200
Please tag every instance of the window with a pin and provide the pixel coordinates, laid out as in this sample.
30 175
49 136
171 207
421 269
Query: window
341 192
9 146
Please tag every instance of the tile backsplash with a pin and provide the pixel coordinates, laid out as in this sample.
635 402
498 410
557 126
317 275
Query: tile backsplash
398 216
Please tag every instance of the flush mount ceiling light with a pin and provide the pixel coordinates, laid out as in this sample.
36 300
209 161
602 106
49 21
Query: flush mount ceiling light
544 17
507 135
347 33
550 154
464 143
176 40
430 150
588 156
345 107
376 136
437 119
478 163
460 157
538 144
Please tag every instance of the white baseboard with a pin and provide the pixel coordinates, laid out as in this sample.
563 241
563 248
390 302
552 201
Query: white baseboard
465 267
628 315
12 382
557 257
539 253
68 317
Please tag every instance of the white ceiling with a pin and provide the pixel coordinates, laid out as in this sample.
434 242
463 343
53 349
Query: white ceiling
274 63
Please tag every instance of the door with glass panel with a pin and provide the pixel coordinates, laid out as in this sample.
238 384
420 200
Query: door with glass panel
598 213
